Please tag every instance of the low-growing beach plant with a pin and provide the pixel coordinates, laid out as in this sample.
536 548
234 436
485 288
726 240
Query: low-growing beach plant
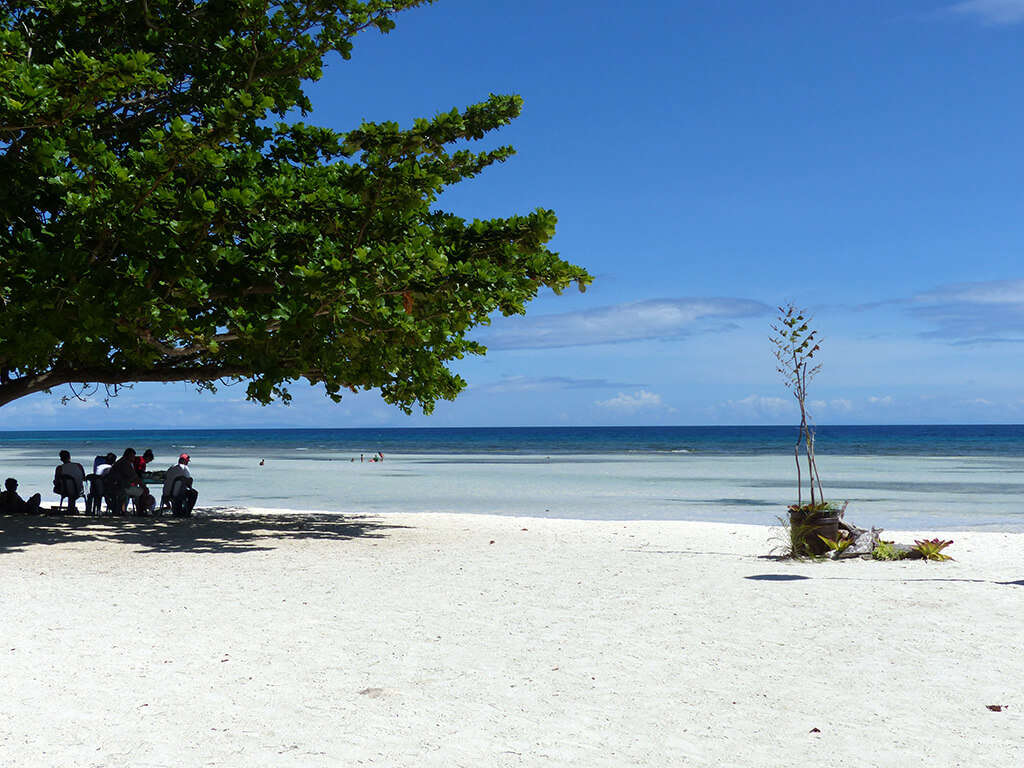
886 550
838 546
931 549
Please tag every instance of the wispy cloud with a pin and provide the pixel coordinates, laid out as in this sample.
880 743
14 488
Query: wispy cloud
641 400
990 292
758 406
546 383
838 405
761 408
51 405
973 313
983 340
636 321
991 12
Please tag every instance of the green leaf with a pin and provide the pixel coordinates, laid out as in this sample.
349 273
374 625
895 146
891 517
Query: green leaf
153 209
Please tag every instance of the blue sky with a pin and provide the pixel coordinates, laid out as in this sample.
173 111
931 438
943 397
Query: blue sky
708 161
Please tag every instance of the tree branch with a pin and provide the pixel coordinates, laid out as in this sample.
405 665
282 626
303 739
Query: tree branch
27 385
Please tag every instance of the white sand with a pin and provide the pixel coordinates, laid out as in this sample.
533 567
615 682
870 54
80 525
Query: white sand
446 640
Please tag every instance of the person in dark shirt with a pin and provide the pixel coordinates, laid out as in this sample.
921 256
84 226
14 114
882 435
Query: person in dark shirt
11 502
124 468
74 470
123 477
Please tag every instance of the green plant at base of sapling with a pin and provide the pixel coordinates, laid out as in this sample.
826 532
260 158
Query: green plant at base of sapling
838 546
813 509
792 540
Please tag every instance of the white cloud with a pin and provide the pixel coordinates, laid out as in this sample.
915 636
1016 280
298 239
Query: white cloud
759 405
838 405
41 407
767 403
635 321
547 383
973 313
990 292
993 12
883 400
55 404
641 400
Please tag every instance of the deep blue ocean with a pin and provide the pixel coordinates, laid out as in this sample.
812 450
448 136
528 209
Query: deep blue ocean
944 440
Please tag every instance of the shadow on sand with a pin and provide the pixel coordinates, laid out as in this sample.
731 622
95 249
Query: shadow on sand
216 530
902 579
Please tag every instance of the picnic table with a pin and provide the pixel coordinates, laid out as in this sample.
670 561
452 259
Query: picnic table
157 476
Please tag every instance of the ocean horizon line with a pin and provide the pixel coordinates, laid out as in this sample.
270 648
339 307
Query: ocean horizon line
207 428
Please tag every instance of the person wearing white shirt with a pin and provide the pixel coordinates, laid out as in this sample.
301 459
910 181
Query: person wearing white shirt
100 466
179 470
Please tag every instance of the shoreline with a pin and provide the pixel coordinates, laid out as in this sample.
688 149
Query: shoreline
896 494
410 639
48 511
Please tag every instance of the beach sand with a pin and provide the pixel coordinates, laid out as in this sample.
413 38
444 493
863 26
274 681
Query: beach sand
261 638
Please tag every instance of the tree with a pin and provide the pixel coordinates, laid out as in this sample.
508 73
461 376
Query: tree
164 215
795 345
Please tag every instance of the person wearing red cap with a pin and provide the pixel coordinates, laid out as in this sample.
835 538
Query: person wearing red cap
190 495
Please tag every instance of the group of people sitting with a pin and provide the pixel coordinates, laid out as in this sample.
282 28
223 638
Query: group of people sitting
123 480
116 482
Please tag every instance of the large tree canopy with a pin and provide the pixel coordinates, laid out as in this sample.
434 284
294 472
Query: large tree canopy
166 218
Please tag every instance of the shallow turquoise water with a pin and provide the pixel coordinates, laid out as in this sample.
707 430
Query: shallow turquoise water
901 491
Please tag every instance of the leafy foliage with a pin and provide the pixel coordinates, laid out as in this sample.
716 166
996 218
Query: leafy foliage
797 538
885 550
813 509
838 546
931 549
166 218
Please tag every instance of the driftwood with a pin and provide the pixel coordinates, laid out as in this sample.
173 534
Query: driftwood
909 552
864 541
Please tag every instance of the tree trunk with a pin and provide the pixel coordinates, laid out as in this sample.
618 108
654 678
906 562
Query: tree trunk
799 482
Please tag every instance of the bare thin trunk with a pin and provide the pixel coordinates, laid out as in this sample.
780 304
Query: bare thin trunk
799 482
817 478
805 438
812 468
